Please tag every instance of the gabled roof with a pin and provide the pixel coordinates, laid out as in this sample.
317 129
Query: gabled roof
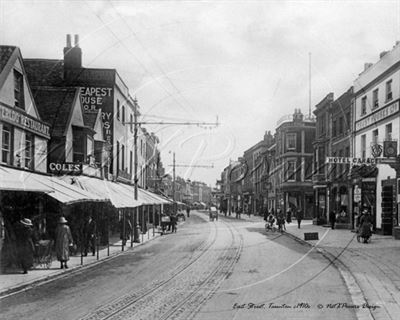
5 55
90 118
55 106
44 72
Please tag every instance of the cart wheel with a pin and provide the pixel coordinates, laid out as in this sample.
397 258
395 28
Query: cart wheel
358 238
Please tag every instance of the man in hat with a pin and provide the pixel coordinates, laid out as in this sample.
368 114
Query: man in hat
24 244
63 242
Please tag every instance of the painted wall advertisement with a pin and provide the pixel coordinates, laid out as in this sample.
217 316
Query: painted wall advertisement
95 98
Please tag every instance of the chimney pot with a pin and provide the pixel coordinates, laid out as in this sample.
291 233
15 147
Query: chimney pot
367 65
68 41
382 54
77 40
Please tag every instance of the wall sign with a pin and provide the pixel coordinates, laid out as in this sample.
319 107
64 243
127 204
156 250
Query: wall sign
65 168
377 116
15 117
347 160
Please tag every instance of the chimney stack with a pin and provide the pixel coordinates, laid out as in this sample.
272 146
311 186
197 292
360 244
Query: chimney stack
382 54
72 59
76 40
367 65
68 41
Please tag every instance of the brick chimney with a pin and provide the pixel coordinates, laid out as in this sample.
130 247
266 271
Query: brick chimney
72 54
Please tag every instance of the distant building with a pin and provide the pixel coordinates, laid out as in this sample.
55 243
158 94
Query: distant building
376 134
294 156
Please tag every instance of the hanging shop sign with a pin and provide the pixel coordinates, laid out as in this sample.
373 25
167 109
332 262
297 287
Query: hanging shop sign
24 121
65 168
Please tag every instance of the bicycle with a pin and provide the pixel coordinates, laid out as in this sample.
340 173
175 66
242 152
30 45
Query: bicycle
270 228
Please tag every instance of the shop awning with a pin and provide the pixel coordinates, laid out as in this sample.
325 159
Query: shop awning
152 198
120 195
19 180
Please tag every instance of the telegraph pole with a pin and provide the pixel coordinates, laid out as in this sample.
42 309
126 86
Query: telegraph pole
137 123
173 177
135 225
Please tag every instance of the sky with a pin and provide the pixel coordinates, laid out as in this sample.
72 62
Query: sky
245 62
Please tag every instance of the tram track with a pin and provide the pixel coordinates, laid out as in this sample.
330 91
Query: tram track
125 307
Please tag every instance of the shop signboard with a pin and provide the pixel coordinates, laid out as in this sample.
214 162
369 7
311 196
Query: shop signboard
70 168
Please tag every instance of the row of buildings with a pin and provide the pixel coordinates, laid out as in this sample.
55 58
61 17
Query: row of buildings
343 157
61 119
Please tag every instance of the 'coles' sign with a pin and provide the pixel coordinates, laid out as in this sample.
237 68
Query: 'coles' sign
65 168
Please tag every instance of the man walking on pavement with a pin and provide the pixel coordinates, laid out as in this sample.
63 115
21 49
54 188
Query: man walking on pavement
90 237
299 217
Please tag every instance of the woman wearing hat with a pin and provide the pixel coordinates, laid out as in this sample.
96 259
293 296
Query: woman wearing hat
24 244
63 241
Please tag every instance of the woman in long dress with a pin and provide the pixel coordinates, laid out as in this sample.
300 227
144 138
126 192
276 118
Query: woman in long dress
63 242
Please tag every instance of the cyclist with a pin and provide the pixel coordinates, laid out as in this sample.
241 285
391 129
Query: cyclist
270 221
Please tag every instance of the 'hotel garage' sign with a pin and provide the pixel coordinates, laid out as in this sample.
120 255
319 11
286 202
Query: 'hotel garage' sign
352 161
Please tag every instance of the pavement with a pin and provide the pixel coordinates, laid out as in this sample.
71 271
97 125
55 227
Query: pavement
371 271
13 281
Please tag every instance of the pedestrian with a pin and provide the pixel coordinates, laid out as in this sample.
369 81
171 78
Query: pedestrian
174 220
332 219
63 242
289 215
281 220
365 226
24 244
299 217
125 228
89 235
187 211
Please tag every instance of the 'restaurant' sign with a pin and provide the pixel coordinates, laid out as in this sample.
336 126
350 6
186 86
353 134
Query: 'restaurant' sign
65 168
15 117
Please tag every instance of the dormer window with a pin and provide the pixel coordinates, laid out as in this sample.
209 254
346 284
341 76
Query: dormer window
18 90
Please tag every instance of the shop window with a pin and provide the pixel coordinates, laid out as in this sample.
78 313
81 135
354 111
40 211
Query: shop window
78 145
321 160
364 106
6 144
123 157
18 90
375 100
29 151
348 121
363 146
389 94
130 161
388 133
375 134
341 121
117 157
291 141
291 170
334 128
131 124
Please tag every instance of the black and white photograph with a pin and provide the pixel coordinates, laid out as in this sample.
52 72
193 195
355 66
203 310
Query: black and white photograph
199 159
